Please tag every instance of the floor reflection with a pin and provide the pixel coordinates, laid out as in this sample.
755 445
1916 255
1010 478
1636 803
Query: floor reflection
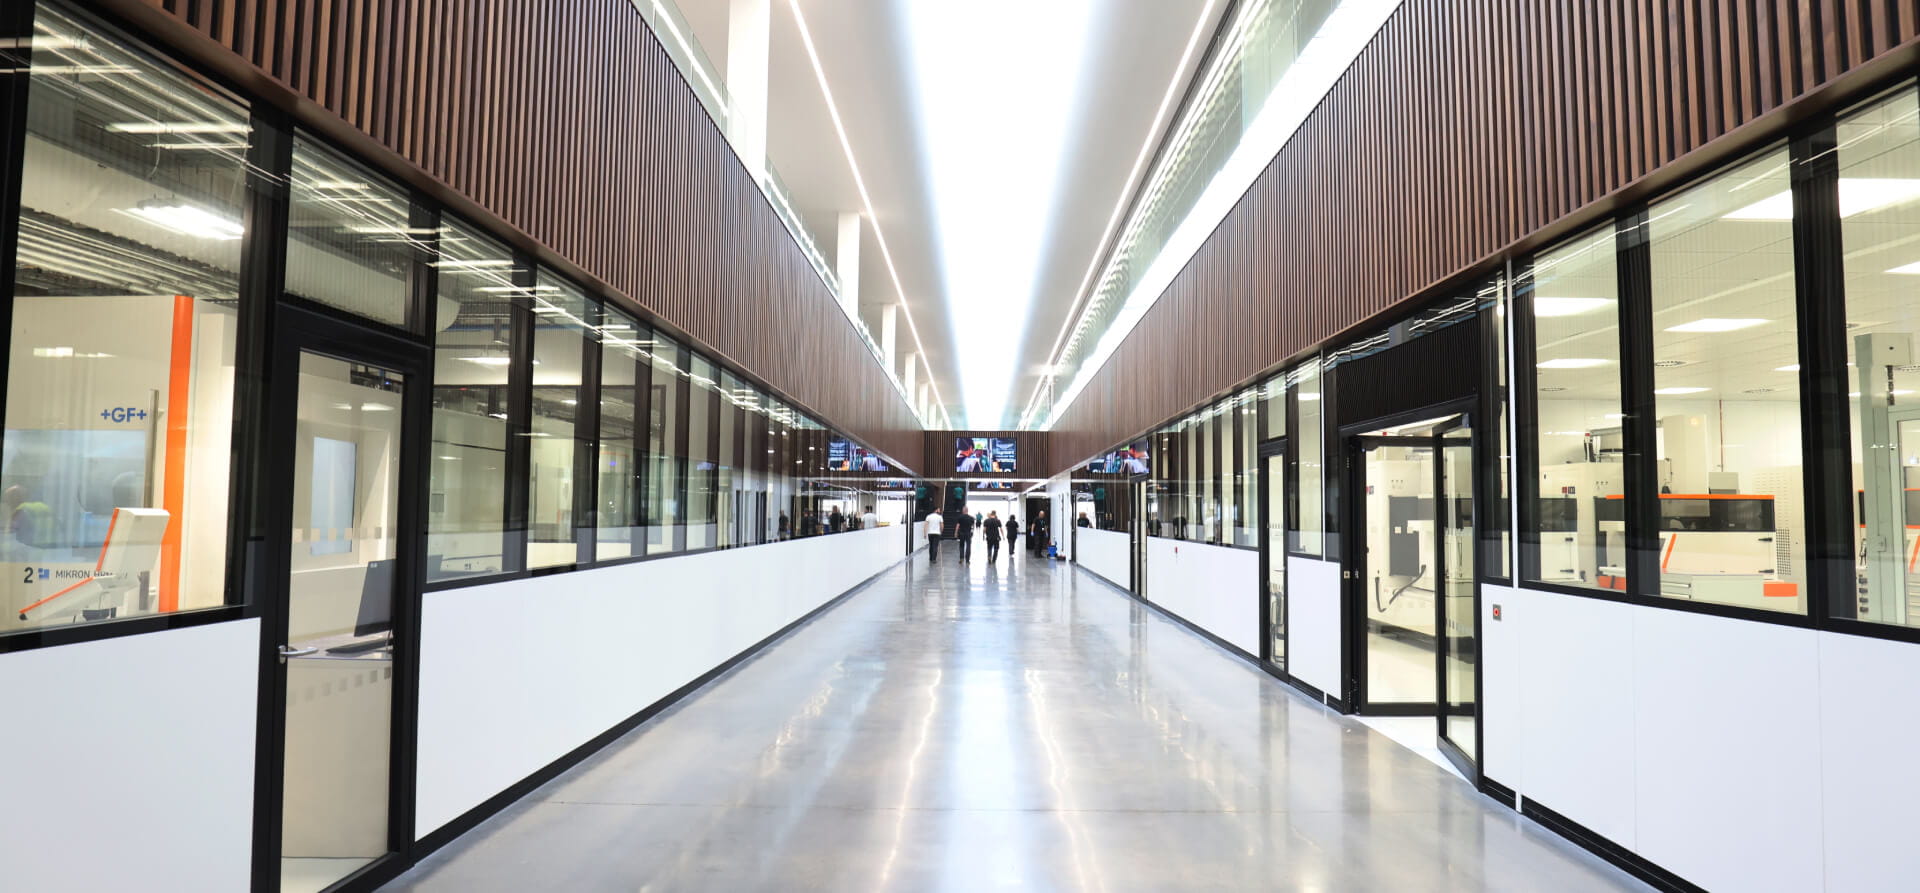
967 727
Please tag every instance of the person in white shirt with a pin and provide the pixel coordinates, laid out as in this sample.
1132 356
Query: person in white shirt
869 520
932 526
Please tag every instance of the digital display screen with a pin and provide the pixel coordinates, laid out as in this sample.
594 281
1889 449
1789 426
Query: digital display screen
845 455
984 455
1130 460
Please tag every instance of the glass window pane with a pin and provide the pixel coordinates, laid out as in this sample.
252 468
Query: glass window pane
1309 522
1880 151
1247 524
472 359
664 459
560 328
701 411
349 241
1724 324
118 443
1274 396
733 519
617 515
1496 519
1573 291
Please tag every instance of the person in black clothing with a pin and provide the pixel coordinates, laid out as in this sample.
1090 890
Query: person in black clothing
1038 534
836 522
963 533
1013 535
1083 522
786 527
991 530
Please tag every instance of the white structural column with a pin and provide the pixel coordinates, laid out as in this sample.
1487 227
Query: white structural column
749 23
912 374
846 265
924 404
889 332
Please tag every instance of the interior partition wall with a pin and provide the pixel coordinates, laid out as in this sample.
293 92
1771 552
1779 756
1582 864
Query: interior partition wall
281 429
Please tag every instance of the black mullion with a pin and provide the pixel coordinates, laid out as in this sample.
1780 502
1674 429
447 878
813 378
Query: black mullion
519 418
1825 425
1524 381
683 400
586 451
424 241
1635 266
255 507
1440 637
1487 459
16 26
742 441
712 478
640 467
1291 467
1230 533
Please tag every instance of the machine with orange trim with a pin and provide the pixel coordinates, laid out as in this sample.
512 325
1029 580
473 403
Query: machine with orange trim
132 546
1720 547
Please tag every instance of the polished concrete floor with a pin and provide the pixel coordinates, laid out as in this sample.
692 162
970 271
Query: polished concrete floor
1025 726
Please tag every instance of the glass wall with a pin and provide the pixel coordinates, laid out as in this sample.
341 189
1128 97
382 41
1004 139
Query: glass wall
1578 523
1308 534
1727 415
351 243
666 450
702 409
1879 155
622 364
1246 421
474 324
125 314
561 315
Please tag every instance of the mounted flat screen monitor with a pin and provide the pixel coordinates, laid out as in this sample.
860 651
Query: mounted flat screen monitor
845 455
1130 460
984 455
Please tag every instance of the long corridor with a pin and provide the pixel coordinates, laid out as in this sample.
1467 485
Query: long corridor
1019 726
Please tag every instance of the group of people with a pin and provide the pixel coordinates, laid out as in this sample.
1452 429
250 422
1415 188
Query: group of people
836 521
991 529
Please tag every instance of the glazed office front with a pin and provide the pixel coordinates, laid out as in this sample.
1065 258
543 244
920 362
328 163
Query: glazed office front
319 495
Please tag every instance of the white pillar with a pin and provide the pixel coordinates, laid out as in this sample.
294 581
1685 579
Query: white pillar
912 370
748 27
925 405
889 331
846 265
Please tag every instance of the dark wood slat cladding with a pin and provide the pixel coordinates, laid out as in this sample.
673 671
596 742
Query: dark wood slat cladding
1032 459
566 121
1466 131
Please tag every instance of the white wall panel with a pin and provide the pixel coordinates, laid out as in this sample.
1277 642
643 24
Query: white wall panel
129 762
1106 552
1217 588
1313 623
1577 711
514 675
1500 693
1870 734
1728 729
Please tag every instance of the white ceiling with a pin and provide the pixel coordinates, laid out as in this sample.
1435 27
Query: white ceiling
1131 51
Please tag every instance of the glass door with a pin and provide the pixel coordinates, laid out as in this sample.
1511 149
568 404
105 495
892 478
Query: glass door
1399 574
338 624
1459 603
1273 551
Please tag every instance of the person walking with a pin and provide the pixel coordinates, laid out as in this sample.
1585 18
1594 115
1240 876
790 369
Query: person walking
991 530
1038 534
932 527
1013 536
786 527
869 520
836 522
963 532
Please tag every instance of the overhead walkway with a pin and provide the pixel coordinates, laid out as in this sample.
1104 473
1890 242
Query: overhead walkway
974 727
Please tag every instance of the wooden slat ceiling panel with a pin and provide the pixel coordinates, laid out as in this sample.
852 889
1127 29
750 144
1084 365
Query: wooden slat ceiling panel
1463 128
568 121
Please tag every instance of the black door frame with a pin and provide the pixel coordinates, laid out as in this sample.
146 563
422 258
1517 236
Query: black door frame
1264 454
1353 559
1137 533
297 330
1468 766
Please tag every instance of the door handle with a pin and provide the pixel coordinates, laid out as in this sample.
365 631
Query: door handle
287 651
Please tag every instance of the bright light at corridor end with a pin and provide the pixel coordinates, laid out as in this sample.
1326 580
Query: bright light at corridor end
997 84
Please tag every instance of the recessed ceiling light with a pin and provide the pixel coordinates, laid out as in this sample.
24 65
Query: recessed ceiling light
1668 364
177 127
1717 324
1573 363
1547 307
1551 390
1758 391
1675 392
488 361
1793 367
188 220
